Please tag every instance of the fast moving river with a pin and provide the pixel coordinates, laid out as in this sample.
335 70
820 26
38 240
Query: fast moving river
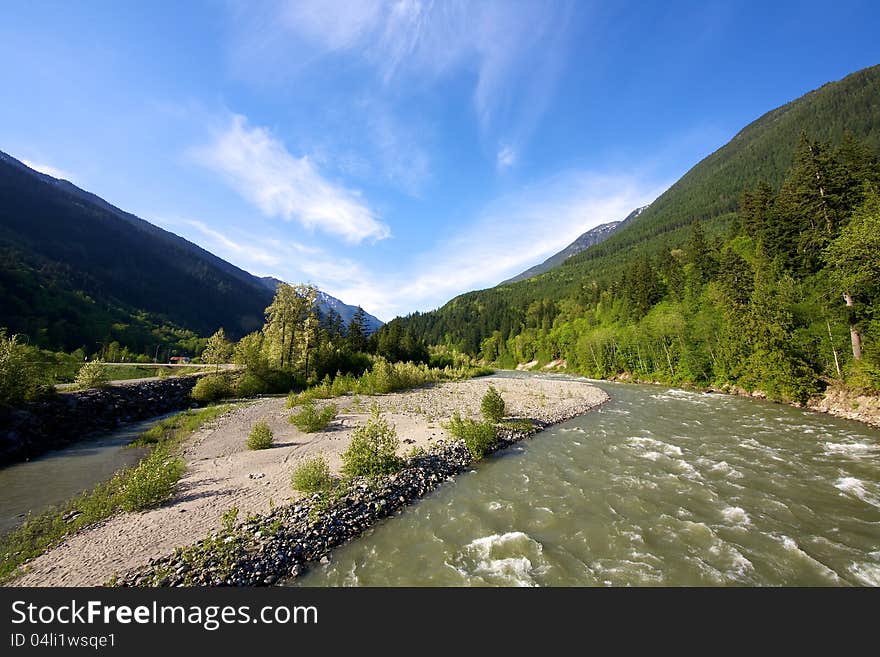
657 487
57 476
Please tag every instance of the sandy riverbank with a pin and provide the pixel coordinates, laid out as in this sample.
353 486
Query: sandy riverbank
222 473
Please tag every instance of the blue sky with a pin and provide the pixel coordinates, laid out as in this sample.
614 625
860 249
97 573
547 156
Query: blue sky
397 154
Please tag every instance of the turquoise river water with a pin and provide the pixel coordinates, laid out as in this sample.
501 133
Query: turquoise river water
657 487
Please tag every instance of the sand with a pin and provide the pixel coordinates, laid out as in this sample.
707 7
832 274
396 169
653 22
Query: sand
222 473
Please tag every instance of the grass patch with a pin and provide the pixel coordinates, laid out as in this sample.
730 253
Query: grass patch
312 476
144 486
310 419
384 377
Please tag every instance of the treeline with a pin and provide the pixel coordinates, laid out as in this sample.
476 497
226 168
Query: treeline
784 300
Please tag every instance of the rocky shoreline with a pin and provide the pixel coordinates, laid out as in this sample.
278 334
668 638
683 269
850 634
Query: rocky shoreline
265 550
57 421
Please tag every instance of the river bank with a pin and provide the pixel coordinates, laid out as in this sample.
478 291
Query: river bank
835 400
48 424
222 474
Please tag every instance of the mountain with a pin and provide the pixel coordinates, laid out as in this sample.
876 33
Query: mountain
327 302
762 151
76 271
592 237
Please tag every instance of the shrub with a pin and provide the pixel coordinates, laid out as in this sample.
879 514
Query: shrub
152 481
492 405
261 436
373 449
310 419
92 375
479 437
312 476
18 378
211 388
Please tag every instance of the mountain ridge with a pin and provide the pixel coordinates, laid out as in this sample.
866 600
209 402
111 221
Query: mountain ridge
77 271
589 238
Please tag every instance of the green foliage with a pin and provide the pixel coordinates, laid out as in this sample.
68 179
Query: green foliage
384 377
372 451
218 349
19 379
854 256
177 427
92 375
151 482
312 476
309 419
260 437
213 387
492 405
479 437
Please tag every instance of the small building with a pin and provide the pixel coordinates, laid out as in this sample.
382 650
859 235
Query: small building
180 360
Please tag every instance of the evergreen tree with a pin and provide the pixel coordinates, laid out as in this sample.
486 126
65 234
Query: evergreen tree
357 331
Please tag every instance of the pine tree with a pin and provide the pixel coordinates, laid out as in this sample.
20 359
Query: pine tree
357 331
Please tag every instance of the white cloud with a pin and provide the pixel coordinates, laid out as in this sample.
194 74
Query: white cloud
49 170
261 169
506 157
509 236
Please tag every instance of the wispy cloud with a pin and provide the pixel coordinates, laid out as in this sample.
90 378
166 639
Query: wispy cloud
261 169
513 52
508 236
49 170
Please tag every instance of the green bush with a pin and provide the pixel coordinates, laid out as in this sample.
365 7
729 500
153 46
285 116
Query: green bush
492 405
212 388
152 481
92 375
261 436
312 476
479 437
373 449
310 419
18 378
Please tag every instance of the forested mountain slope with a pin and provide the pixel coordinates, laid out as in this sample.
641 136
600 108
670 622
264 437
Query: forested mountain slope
75 270
736 275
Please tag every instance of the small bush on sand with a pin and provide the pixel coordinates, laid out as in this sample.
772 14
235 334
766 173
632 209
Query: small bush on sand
261 436
492 405
310 419
373 449
312 476
92 375
211 388
479 437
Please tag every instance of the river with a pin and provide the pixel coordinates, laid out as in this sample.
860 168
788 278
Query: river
57 476
657 487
